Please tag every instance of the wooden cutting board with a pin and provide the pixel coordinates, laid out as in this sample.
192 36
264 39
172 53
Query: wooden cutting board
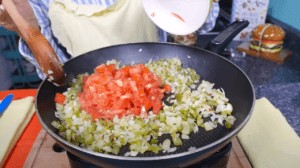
42 155
279 58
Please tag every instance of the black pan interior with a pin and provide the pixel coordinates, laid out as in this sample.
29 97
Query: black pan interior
210 66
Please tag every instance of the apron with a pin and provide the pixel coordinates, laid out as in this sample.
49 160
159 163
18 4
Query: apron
83 28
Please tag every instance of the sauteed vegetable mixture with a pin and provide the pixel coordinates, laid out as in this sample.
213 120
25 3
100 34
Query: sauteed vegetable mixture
135 105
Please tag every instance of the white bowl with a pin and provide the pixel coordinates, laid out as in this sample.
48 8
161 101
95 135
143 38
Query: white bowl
179 17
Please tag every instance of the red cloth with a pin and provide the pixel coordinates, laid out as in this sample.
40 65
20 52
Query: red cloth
23 146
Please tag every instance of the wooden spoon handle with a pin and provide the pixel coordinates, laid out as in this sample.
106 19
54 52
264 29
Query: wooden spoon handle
38 44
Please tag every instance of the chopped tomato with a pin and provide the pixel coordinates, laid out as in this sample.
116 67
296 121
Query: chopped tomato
84 78
167 88
135 111
131 90
105 68
147 103
157 107
111 67
60 98
123 72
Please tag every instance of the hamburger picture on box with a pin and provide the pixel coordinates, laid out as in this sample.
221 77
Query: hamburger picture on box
267 38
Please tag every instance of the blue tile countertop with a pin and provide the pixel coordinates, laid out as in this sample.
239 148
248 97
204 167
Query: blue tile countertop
279 83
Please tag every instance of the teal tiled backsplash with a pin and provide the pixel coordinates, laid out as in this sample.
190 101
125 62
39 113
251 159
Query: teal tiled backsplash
287 11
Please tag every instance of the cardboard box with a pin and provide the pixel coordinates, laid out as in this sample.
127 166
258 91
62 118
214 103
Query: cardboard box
255 11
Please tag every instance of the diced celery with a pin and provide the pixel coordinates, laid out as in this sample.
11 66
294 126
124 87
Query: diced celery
153 141
199 121
55 124
212 102
88 139
154 148
186 128
140 122
115 149
123 141
178 97
194 113
177 141
69 120
162 117
153 126
227 112
62 128
227 125
224 113
68 135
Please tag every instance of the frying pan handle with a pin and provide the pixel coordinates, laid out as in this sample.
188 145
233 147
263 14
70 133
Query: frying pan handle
218 44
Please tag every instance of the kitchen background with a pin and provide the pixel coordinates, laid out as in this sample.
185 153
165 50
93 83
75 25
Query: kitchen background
286 11
279 83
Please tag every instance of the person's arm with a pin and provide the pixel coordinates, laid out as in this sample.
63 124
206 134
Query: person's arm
26 11
40 10
35 13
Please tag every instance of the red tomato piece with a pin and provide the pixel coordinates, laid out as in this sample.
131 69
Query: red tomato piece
60 98
167 88
135 111
101 68
123 72
147 103
84 79
111 68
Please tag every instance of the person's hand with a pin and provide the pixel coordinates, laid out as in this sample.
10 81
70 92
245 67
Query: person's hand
24 9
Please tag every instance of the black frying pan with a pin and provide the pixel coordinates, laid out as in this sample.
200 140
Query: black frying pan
210 66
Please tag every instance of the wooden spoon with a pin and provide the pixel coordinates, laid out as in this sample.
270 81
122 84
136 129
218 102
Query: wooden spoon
38 44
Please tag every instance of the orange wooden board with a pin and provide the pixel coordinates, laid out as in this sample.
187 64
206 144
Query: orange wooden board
274 57
42 155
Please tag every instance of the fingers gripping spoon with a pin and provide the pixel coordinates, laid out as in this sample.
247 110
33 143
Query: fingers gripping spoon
38 44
